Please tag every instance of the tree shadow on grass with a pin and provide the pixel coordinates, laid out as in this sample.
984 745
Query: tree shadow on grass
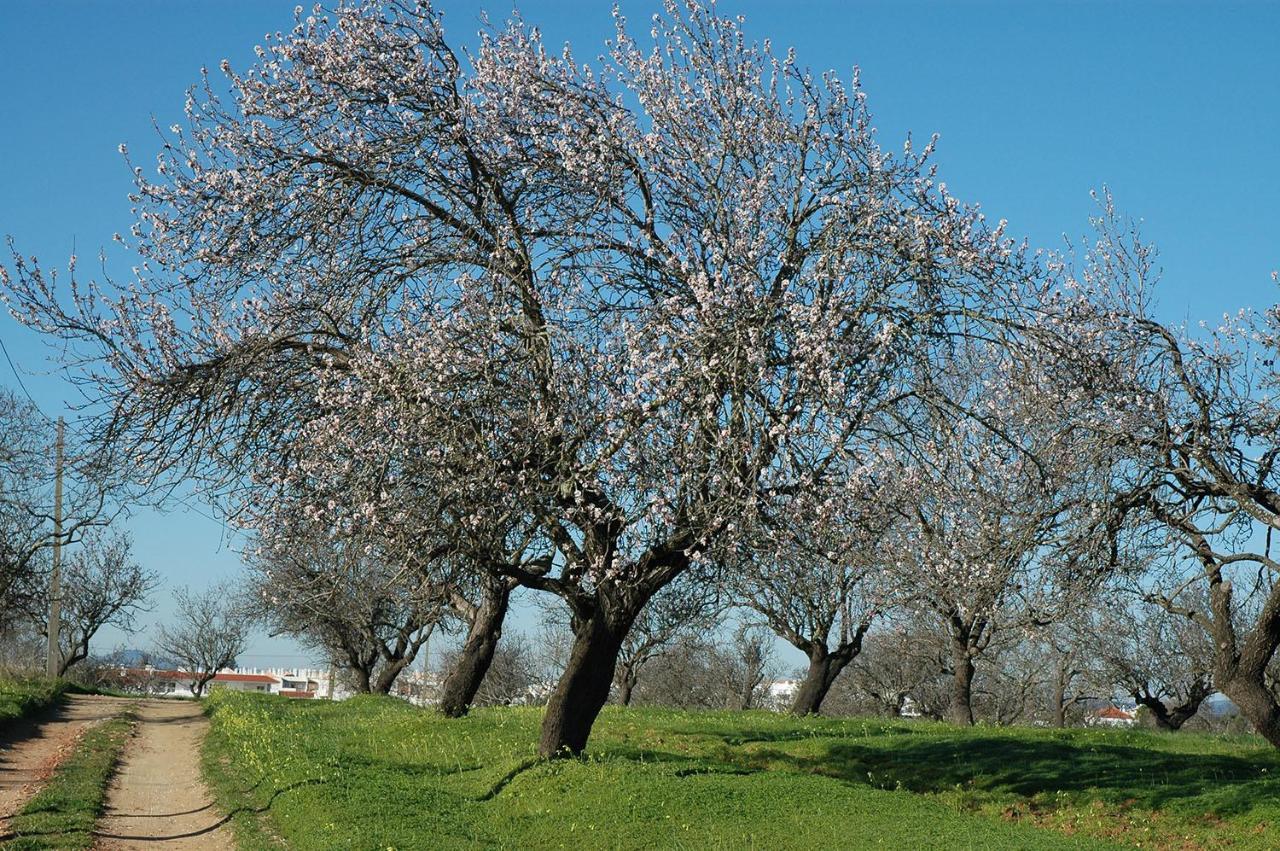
1135 776
736 734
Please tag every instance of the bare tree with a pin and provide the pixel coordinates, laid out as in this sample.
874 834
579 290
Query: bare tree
745 664
685 607
23 648
101 585
706 671
369 609
209 631
901 666
1194 420
25 470
27 474
1068 655
1164 661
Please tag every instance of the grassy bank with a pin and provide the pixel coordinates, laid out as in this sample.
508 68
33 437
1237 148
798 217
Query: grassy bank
63 813
380 773
20 697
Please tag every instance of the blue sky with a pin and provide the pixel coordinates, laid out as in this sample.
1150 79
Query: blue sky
1175 106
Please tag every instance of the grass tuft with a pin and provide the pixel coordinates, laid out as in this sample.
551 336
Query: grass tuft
22 697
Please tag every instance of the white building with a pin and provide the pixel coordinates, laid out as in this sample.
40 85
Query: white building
165 683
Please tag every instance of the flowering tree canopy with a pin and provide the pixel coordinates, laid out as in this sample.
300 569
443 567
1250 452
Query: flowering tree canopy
1186 424
604 309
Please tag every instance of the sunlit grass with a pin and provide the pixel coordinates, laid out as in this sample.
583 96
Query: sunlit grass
20 697
374 772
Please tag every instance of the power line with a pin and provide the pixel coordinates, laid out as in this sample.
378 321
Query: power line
21 383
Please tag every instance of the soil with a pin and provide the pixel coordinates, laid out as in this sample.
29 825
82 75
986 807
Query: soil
157 799
31 749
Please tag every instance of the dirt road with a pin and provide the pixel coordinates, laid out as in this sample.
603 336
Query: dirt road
31 750
158 799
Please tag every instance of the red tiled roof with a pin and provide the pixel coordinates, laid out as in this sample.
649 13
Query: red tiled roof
244 678
1113 712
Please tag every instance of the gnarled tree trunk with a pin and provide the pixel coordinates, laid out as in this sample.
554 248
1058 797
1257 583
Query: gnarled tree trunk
388 674
583 688
1258 704
476 654
824 667
1172 718
1240 664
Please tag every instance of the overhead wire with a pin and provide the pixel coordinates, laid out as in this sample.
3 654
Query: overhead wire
22 384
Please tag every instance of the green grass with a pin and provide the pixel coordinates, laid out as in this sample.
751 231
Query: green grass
21 697
63 813
378 773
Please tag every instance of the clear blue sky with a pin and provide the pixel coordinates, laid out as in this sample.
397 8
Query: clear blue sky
1175 106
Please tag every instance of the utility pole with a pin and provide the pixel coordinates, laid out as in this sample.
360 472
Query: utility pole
54 659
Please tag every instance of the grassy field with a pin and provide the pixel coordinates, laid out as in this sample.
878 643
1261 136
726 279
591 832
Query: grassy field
378 773
62 814
22 697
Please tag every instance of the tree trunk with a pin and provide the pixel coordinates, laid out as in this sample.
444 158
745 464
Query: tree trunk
583 688
1172 719
626 685
1257 704
1240 663
961 709
824 667
476 654
389 674
364 680
1060 680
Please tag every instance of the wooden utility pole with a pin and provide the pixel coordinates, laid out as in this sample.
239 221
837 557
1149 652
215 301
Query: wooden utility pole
54 659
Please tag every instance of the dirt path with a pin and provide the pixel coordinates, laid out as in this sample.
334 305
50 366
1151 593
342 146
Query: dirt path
30 750
157 799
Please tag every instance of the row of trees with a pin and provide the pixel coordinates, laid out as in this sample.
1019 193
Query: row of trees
101 583
449 324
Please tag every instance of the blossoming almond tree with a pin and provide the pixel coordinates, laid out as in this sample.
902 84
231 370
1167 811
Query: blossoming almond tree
1191 421
817 568
1002 506
622 291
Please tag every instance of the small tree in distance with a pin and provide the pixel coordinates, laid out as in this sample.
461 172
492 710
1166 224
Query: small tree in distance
207 634
814 571
101 585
